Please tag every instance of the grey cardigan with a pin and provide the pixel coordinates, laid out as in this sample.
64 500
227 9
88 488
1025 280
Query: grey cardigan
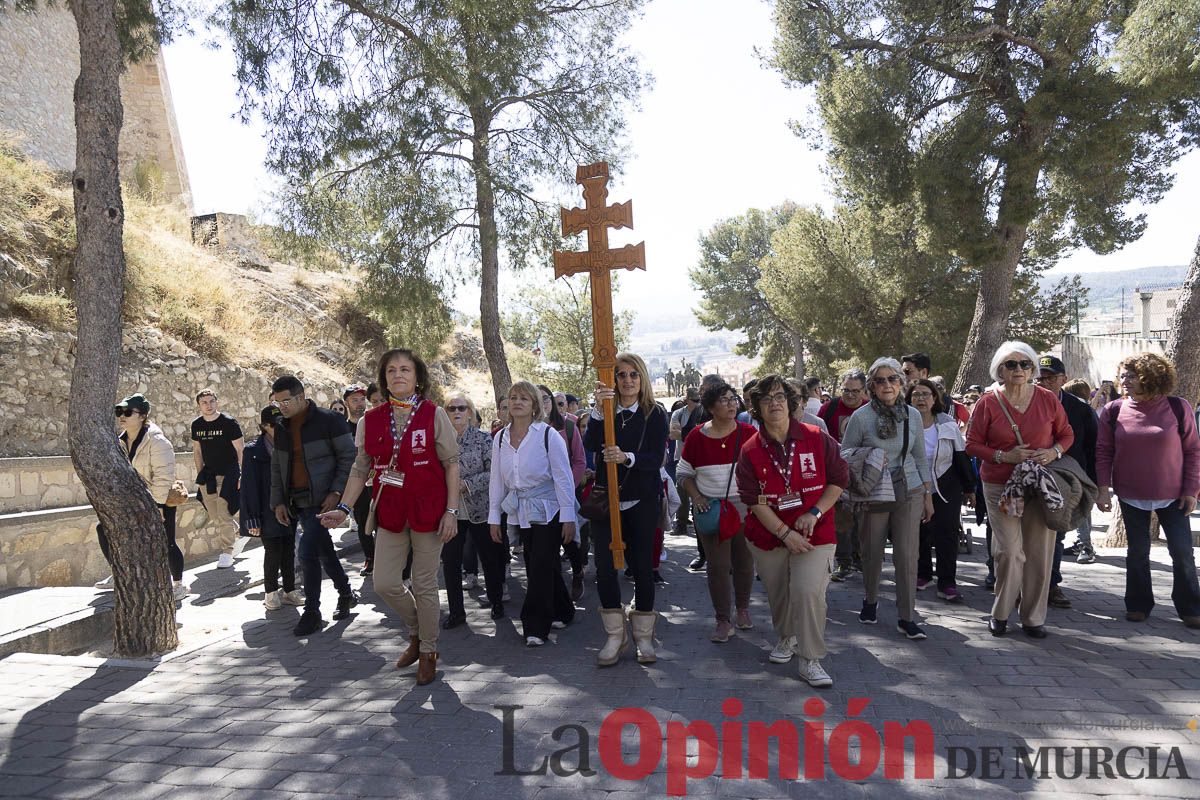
861 432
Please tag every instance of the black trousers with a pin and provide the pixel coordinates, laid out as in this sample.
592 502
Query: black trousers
490 553
940 534
279 559
546 597
362 510
577 552
174 554
638 525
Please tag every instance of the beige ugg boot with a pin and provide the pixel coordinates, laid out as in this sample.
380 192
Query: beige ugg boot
618 636
643 635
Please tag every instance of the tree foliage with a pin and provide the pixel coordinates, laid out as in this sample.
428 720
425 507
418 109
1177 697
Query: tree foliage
727 276
558 319
1008 120
438 121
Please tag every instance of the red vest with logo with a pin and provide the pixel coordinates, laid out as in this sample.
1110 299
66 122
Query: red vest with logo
421 502
807 479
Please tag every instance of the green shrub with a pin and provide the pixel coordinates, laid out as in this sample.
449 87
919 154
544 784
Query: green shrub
50 311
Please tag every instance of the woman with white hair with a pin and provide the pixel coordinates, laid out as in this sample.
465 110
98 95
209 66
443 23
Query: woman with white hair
1022 546
889 423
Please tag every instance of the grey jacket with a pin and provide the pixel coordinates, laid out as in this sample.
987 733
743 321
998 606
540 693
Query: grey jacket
1078 492
328 452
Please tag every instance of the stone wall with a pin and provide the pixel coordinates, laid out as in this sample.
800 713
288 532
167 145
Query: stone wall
1095 358
48 530
35 367
39 61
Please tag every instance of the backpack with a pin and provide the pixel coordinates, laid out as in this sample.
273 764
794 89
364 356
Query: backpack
1176 406
831 412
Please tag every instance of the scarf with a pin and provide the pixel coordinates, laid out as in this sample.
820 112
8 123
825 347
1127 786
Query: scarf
886 417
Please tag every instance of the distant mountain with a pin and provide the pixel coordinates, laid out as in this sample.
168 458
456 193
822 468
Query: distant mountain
1104 288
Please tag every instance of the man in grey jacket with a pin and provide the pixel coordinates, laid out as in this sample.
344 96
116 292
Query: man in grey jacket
311 463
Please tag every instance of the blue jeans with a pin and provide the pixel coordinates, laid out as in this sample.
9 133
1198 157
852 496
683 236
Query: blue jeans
315 550
1139 592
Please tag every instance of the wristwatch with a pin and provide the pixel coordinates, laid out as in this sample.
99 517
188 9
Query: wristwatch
816 512
453 511
345 509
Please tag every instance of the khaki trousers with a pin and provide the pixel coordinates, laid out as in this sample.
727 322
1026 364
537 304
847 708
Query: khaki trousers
420 607
220 518
729 564
1023 550
795 585
905 525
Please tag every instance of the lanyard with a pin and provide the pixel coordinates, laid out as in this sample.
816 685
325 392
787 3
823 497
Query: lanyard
397 437
785 471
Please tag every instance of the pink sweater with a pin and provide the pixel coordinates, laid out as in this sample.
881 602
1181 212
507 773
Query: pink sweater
1146 460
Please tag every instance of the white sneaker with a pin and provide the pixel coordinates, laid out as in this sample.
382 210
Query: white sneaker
179 590
292 598
784 650
533 641
239 545
273 600
470 580
106 584
224 561
812 672
558 625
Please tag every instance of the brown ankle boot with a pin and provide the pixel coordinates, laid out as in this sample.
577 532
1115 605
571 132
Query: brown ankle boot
427 669
409 656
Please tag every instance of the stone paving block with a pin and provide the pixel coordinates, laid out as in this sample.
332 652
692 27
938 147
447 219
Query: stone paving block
76 789
311 782
24 785
252 778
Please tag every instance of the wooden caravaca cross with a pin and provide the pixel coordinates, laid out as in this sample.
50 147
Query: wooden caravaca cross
596 217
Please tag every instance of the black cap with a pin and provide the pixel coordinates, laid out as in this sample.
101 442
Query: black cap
270 415
1053 364
137 402
354 388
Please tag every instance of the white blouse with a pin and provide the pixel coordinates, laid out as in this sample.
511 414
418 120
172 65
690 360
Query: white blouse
531 482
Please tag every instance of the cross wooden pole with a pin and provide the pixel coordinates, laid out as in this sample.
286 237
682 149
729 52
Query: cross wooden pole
598 261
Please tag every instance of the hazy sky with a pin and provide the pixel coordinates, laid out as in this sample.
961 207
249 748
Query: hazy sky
710 141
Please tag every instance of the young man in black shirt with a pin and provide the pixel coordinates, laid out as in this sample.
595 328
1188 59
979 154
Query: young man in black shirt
217 444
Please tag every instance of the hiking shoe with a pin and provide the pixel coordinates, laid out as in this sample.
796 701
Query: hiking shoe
273 601
842 572
345 603
1074 549
293 598
869 613
1086 556
910 629
1058 599
813 674
785 648
105 585
950 595
310 622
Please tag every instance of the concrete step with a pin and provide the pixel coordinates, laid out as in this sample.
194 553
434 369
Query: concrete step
67 620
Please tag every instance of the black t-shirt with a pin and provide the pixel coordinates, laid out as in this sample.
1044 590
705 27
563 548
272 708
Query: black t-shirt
216 440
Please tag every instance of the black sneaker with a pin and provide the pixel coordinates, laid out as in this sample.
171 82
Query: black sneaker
345 603
1073 550
498 611
910 629
698 565
367 569
310 622
868 615
1034 631
659 580
990 581
453 621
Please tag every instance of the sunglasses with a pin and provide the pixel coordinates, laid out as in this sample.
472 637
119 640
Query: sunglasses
884 381
1024 364
125 412
627 375
452 409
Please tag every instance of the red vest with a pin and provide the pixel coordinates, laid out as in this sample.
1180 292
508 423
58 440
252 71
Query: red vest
420 504
807 478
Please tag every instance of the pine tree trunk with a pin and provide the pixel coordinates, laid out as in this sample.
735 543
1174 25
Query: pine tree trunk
798 348
1183 344
145 611
1116 529
489 251
990 324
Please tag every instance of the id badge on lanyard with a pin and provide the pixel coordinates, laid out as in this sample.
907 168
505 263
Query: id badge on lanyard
392 477
789 499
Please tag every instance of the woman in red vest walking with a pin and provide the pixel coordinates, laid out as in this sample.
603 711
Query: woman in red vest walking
790 475
410 447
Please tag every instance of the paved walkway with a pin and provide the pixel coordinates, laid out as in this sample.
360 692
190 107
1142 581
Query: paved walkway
246 710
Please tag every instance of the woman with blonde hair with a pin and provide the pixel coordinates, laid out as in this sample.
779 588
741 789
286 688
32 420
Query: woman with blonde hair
641 434
1148 452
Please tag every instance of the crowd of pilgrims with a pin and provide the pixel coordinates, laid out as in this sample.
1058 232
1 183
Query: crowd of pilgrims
778 482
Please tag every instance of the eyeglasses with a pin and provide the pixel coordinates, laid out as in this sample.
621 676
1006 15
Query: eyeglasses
921 395
125 412
776 399
627 375
452 409
1126 376
884 380
1024 364
286 401
729 400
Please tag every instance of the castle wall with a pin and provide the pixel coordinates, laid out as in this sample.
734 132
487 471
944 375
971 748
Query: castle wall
39 62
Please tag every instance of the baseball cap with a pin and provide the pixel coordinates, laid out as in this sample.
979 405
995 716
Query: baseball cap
270 415
354 388
1053 364
137 402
